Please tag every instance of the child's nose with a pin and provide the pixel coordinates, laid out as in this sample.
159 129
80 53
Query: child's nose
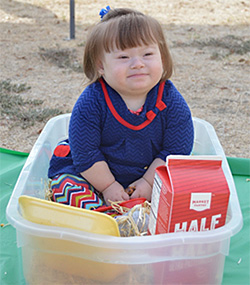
137 63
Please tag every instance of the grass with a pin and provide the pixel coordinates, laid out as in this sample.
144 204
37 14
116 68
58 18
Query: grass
22 112
63 58
230 42
227 45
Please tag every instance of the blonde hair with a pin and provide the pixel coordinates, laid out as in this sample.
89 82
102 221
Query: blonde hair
124 28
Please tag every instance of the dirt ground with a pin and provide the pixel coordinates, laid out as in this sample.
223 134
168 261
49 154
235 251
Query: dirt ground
41 76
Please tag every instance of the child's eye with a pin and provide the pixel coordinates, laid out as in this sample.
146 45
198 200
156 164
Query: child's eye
148 54
123 56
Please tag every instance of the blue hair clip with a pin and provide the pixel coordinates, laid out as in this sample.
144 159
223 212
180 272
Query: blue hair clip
104 11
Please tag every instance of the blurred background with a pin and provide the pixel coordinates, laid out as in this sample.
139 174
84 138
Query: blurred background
41 68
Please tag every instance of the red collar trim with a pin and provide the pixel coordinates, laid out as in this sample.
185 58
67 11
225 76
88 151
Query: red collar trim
150 114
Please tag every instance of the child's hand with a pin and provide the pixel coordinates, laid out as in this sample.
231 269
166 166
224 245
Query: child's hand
115 192
142 189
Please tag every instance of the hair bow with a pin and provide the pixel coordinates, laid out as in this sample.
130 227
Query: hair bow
104 11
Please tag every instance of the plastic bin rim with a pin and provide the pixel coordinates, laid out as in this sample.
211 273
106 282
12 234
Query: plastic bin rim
154 241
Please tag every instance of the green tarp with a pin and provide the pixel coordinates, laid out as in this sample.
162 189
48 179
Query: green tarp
237 264
11 164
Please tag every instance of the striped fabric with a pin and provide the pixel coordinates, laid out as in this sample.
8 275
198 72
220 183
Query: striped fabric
74 191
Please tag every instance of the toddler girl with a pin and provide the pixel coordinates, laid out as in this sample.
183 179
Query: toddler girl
129 118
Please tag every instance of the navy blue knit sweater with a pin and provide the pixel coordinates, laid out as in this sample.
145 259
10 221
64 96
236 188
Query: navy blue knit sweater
103 129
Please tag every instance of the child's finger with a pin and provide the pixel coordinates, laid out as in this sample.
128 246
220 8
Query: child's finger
125 196
136 194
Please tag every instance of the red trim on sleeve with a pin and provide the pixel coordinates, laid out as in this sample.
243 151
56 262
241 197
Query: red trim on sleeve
150 114
62 150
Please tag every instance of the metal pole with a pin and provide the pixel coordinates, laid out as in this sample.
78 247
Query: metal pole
72 19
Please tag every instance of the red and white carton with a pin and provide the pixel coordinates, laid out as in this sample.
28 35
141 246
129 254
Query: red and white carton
189 194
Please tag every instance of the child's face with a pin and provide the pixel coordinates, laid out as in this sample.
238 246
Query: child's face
133 71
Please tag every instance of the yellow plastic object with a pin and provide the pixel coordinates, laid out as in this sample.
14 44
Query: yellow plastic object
54 214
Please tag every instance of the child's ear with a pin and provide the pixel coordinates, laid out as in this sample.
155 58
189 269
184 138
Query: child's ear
100 67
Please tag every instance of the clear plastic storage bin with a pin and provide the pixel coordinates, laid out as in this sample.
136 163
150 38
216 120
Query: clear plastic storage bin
66 256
